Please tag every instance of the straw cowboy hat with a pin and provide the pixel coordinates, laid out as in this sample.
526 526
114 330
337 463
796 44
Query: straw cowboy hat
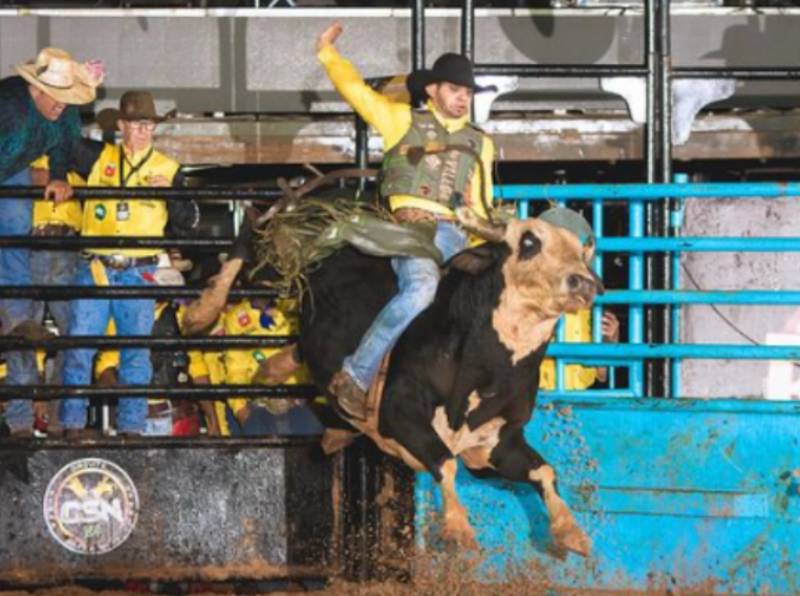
57 74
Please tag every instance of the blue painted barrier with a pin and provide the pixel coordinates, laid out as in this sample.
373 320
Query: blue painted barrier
680 495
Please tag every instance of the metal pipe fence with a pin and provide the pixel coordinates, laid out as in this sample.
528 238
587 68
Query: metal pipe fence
630 356
640 350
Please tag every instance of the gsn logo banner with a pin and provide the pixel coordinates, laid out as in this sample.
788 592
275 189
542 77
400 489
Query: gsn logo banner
91 506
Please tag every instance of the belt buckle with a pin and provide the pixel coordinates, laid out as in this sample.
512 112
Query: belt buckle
119 261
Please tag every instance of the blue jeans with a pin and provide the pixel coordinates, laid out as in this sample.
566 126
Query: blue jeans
15 271
55 268
417 281
299 420
90 317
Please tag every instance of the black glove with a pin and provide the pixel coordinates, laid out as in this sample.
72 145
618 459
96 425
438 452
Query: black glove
244 245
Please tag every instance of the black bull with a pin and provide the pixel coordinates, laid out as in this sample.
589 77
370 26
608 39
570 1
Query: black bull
462 379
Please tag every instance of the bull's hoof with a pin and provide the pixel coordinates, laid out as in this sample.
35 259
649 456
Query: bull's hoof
461 535
571 538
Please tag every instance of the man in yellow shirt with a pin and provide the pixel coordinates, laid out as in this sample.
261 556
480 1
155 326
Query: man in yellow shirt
133 163
434 161
578 328
263 417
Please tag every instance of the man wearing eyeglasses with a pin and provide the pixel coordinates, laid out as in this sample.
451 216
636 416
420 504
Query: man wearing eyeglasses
132 163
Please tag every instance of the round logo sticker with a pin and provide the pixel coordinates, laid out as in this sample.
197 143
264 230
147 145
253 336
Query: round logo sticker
100 212
91 506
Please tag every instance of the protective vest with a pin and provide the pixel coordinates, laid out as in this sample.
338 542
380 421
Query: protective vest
431 163
127 217
49 212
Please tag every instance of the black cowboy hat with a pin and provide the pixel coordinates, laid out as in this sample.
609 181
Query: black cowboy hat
449 67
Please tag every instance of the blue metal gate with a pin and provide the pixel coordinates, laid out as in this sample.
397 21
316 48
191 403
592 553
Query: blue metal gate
675 493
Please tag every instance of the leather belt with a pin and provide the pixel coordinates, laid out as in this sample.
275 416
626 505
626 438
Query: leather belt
123 261
415 214
53 229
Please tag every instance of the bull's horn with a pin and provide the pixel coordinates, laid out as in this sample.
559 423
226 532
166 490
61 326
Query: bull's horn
479 226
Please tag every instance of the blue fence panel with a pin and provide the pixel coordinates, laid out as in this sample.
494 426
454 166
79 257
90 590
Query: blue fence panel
676 494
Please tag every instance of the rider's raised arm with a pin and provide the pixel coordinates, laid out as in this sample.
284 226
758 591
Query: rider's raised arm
391 119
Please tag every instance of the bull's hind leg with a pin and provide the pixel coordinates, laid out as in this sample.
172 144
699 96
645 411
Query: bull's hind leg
514 459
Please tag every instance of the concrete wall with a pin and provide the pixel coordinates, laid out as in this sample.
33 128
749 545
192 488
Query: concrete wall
737 271
263 60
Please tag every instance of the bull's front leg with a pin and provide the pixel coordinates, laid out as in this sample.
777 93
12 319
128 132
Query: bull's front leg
515 460
423 449
456 527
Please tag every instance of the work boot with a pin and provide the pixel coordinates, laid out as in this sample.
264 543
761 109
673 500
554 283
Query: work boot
30 331
80 434
21 433
349 396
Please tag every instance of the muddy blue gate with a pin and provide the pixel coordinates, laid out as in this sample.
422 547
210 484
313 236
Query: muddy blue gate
676 492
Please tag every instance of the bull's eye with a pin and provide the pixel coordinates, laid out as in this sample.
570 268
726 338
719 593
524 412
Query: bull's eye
529 246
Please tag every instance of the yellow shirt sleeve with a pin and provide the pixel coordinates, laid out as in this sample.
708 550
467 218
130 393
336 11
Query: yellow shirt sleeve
390 118
41 163
197 365
474 198
238 371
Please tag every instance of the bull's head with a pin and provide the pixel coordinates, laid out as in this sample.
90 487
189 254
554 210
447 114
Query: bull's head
548 268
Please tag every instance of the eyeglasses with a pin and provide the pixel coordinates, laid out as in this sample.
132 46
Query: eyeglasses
146 125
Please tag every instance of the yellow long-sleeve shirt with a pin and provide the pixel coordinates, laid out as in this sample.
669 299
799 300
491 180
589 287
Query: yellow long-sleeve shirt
577 328
392 120
241 365
211 365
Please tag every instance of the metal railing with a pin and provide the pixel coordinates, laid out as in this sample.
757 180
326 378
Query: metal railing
635 245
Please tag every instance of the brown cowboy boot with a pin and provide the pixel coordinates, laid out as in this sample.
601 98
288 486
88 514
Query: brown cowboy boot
350 397
31 331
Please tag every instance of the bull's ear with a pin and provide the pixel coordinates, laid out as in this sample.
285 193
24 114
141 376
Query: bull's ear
476 260
472 222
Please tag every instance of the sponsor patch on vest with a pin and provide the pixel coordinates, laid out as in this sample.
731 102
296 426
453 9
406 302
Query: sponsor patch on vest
259 357
100 212
433 162
425 190
91 506
109 170
244 319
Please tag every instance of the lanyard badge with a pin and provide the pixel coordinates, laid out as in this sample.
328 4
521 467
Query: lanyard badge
123 211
